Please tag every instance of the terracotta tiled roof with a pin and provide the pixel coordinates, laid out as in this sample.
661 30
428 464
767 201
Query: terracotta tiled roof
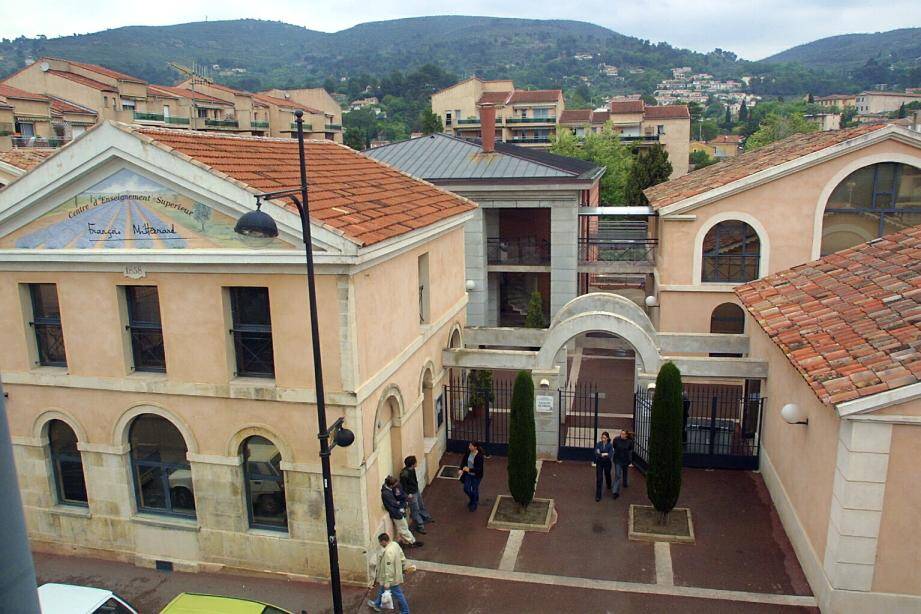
26 158
108 72
8 91
850 322
493 97
98 85
669 111
526 96
59 106
627 106
284 102
575 115
359 197
748 163
182 92
599 117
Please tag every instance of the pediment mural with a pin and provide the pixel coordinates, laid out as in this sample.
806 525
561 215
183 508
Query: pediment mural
129 211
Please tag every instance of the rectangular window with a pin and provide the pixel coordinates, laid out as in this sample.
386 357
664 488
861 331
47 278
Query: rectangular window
25 129
203 113
144 328
252 332
424 309
46 321
447 118
128 105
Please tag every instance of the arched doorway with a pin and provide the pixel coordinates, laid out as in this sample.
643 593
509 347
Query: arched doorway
387 435
727 319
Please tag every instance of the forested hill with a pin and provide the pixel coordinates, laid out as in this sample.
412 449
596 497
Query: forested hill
853 51
254 54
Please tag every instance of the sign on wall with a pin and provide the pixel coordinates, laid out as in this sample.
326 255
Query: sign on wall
440 410
127 210
544 404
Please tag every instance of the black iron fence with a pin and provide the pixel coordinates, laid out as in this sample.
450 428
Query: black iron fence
522 250
579 427
592 249
478 412
722 427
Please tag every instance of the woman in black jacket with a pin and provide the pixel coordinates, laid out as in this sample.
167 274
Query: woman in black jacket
604 454
623 457
472 473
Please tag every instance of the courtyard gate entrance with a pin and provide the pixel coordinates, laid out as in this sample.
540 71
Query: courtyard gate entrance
478 410
722 426
579 422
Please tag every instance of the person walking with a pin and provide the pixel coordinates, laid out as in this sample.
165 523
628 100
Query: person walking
472 474
410 485
391 563
604 455
395 503
623 457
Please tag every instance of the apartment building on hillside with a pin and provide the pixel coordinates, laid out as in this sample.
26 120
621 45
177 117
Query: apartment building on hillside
317 98
873 103
523 117
88 93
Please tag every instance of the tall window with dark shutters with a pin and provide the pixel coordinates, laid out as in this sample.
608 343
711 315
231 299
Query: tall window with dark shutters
252 332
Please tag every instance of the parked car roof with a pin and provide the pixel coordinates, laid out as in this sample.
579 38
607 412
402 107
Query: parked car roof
194 603
69 599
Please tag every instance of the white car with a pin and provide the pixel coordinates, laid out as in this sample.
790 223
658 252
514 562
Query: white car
70 599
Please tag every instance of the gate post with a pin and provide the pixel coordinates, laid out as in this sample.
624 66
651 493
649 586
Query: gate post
547 410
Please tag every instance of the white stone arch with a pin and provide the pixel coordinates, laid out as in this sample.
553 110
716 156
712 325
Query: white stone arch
599 321
428 367
390 392
729 216
120 435
260 430
841 175
40 426
427 396
607 302
458 329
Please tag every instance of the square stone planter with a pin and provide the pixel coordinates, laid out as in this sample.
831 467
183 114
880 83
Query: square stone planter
643 525
540 515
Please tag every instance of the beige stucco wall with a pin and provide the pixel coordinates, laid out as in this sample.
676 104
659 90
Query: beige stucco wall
802 455
784 209
32 79
898 562
677 141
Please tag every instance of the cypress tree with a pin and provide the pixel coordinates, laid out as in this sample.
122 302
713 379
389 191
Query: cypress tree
522 442
727 121
650 167
535 316
743 112
663 479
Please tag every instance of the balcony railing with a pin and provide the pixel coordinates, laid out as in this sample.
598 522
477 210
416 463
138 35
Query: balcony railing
306 126
649 138
257 124
472 120
530 120
222 123
182 121
541 139
38 142
6 128
523 250
594 250
148 117
334 126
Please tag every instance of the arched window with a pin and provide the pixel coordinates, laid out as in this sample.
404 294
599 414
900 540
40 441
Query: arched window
727 318
871 202
67 464
265 484
162 476
731 253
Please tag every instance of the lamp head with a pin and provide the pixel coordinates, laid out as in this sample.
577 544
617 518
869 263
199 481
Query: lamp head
298 114
344 437
257 224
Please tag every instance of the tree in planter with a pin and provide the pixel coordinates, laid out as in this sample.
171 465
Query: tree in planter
522 442
663 478
479 389
535 315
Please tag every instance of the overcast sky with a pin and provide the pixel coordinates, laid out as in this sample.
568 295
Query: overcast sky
753 29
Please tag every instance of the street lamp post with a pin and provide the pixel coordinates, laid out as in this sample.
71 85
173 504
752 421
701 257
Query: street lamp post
260 224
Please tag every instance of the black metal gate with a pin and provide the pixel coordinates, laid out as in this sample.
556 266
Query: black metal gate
478 412
579 429
722 426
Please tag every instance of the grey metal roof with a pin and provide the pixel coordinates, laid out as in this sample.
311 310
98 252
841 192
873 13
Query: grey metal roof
439 156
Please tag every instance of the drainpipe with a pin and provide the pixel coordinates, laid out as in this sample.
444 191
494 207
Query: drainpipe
18 591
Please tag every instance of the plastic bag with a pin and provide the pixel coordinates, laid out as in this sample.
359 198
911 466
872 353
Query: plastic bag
387 600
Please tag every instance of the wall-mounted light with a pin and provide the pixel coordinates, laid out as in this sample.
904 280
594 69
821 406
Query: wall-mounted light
470 285
793 414
652 301
545 384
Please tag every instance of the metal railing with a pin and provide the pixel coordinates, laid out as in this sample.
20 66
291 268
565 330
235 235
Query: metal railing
523 250
592 249
148 117
222 123
515 139
475 120
306 126
649 138
37 141
258 124
334 126
6 128
183 121
530 120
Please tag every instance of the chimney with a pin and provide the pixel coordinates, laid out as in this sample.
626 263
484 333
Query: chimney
488 127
